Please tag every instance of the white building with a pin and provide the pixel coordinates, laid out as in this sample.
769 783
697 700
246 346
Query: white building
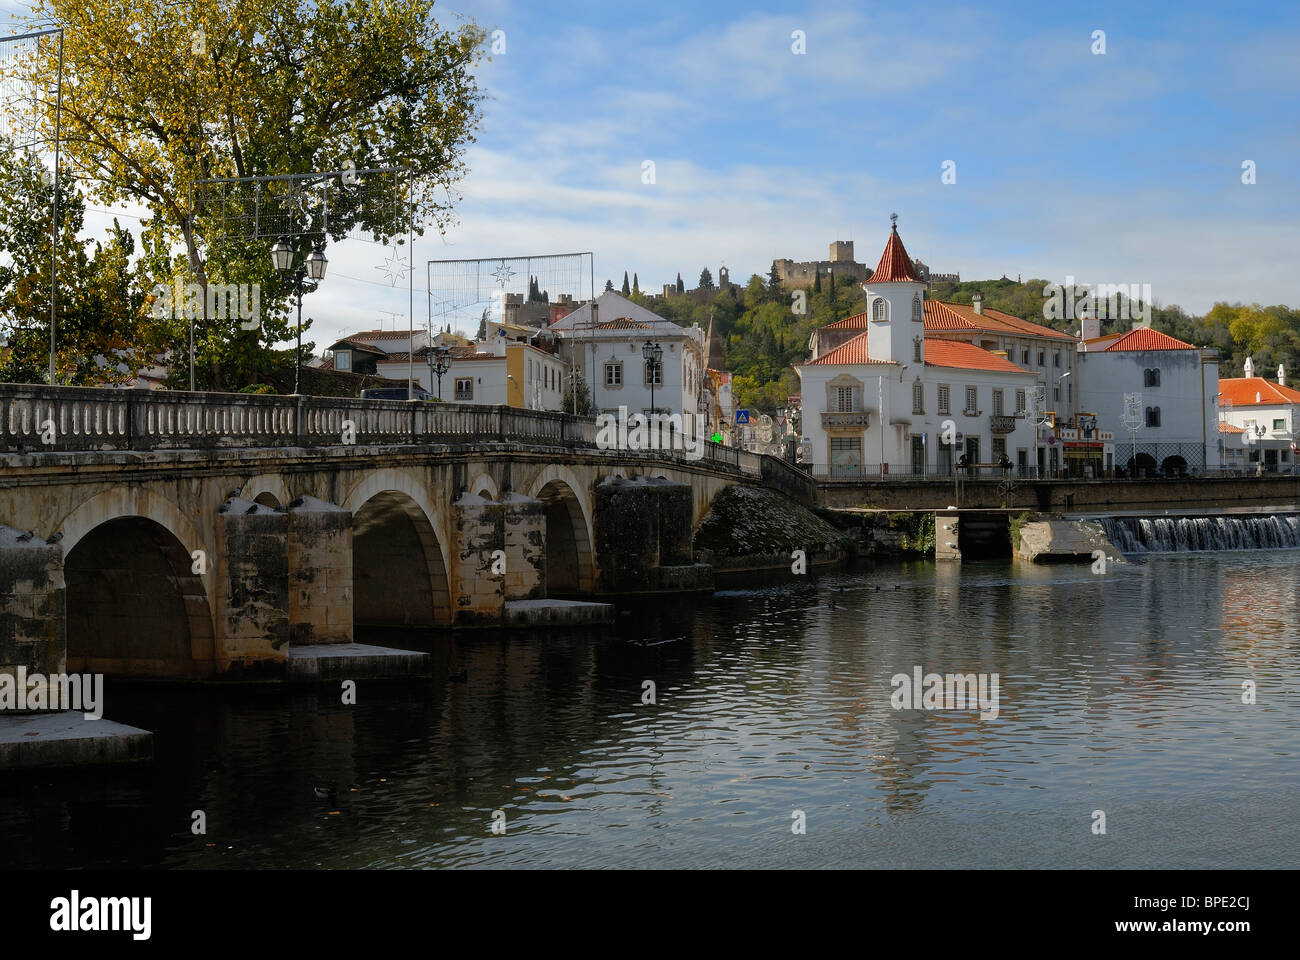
606 345
1176 384
882 399
1268 413
515 373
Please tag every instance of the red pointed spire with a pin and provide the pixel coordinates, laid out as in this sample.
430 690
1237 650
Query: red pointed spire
895 265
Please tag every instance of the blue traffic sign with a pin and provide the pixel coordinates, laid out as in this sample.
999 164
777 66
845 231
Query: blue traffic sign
742 416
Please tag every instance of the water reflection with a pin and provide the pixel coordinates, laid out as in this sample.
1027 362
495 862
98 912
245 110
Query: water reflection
1118 692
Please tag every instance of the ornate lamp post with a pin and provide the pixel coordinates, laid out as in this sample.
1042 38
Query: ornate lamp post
439 359
313 269
653 354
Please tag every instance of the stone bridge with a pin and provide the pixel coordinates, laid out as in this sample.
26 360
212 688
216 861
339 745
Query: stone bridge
192 535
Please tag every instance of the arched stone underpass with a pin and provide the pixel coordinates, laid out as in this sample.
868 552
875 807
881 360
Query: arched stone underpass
134 605
569 568
398 575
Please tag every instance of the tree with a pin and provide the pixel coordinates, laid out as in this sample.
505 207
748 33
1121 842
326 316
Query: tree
817 280
681 287
706 279
636 286
627 290
609 286
104 332
158 96
774 288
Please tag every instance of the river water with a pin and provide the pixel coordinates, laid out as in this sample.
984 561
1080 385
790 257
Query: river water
1118 692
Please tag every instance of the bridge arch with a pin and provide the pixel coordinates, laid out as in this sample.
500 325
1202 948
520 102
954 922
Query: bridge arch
268 489
570 561
135 605
484 486
399 562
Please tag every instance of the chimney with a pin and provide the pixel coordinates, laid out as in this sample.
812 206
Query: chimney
1250 367
977 301
1091 328
1281 375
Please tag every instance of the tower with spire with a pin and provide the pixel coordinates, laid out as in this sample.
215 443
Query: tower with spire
895 304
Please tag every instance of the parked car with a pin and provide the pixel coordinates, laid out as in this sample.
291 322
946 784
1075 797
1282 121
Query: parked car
395 393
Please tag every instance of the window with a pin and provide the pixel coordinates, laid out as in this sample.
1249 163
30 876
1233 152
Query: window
654 373
1069 392
945 404
613 374
464 388
1153 416
999 445
918 312
843 399
1279 424
1056 393
1150 378
1056 359
343 360
1020 401
846 454
878 309
997 403
971 397
918 397
1024 357
916 350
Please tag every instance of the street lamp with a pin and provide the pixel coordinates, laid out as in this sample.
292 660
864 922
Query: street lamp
314 269
653 354
439 359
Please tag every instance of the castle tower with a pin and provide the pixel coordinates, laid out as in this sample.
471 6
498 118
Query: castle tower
895 304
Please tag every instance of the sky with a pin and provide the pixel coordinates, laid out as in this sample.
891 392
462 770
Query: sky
1117 167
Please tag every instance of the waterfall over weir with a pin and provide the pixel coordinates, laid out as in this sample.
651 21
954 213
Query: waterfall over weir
1164 534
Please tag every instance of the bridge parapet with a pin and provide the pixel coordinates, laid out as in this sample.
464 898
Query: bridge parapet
38 418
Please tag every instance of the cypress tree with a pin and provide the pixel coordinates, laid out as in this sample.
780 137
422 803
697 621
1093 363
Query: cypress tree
626 289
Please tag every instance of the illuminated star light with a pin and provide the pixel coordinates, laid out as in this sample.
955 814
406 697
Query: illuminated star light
503 274
395 268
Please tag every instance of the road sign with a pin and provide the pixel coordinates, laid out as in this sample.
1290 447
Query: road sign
742 416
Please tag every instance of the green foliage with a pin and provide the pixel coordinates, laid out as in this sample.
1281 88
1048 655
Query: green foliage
917 531
1016 524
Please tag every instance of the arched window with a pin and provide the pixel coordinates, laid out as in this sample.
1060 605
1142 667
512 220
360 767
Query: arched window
1153 416
918 313
878 309
916 349
1151 378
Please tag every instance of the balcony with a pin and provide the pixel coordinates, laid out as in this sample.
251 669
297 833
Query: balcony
832 421
1000 425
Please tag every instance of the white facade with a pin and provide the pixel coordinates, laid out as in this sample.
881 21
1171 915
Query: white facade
1268 413
500 372
1178 421
609 352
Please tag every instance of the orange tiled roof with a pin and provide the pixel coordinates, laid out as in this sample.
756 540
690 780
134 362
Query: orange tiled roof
1242 390
941 315
895 265
853 351
1144 338
1229 428
966 356
858 321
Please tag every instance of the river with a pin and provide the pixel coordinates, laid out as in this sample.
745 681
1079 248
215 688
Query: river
1119 693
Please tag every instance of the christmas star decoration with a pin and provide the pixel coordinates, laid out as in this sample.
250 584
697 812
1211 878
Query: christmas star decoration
395 268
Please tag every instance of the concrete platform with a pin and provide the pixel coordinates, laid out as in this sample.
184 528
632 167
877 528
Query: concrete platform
556 613
309 663
67 739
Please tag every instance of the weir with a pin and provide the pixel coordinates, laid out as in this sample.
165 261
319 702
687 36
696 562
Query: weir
1224 532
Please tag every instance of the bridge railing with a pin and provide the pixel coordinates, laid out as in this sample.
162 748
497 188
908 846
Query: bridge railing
36 418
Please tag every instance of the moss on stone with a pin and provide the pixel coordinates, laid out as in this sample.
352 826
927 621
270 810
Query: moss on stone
754 524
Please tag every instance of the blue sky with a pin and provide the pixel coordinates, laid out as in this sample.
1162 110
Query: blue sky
1117 168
